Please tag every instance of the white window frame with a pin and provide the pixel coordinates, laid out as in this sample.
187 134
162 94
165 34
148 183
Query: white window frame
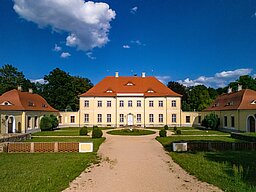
99 118
86 117
160 103
121 118
99 104
108 103
151 118
138 118
174 103
161 118
86 103
108 118
121 103
174 118
129 103
151 103
138 103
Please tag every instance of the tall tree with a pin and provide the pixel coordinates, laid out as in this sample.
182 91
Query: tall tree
11 78
62 89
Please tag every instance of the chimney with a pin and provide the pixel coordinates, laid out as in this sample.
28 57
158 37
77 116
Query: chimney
116 75
143 74
19 88
30 90
229 90
239 87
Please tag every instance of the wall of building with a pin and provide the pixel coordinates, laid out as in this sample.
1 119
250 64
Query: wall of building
189 119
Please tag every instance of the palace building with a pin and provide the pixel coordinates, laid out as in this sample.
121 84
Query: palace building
119 101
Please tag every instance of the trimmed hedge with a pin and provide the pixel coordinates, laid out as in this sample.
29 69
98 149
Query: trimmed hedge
243 137
83 131
96 133
162 133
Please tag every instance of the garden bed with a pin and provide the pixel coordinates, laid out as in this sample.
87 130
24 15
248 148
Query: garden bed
131 132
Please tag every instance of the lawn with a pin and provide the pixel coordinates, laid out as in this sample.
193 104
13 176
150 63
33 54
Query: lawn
44 171
233 171
133 132
70 131
199 131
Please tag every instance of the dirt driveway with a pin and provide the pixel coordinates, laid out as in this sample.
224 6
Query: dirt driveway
136 164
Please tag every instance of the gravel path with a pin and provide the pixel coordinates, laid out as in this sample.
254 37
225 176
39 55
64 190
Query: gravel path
136 164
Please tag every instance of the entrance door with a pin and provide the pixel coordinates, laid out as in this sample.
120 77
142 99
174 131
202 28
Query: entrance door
10 125
251 124
130 119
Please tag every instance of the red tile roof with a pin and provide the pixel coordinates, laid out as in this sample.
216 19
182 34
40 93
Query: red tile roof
148 86
233 101
16 100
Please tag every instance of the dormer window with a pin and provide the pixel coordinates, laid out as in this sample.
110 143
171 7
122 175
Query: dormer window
216 105
6 103
230 103
150 91
44 105
253 102
109 91
129 84
31 103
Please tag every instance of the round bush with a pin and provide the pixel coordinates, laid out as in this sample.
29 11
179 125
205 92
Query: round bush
178 132
96 133
46 123
166 127
83 131
162 133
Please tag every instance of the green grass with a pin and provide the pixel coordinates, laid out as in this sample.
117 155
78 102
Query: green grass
203 132
96 141
70 131
133 132
43 171
249 134
220 168
167 140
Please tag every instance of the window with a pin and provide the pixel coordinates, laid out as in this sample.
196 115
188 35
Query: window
138 118
151 118
225 121
99 119
161 118
232 121
174 118
36 122
99 103
108 118
31 103
121 118
86 103
86 118
130 103
187 119
60 119
121 103
160 103
199 119
108 103
29 122
138 103
151 103
72 119
173 103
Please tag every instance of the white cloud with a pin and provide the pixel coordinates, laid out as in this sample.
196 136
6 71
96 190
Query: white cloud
164 79
90 56
87 23
41 81
138 42
134 10
126 46
57 48
218 80
65 55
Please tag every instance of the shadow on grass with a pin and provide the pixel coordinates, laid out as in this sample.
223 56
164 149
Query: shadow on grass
246 159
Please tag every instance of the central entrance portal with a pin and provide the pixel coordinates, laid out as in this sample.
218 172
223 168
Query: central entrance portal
130 119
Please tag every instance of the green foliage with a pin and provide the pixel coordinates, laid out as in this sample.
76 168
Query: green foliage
166 127
62 89
211 121
11 78
133 132
83 131
96 133
162 133
175 128
178 132
48 122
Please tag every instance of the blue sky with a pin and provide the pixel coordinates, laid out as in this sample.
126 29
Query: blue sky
195 42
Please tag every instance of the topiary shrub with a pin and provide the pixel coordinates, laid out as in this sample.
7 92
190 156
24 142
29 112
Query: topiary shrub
96 133
83 131
162 133
175 129
211 121
166 127
46 123
178 132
